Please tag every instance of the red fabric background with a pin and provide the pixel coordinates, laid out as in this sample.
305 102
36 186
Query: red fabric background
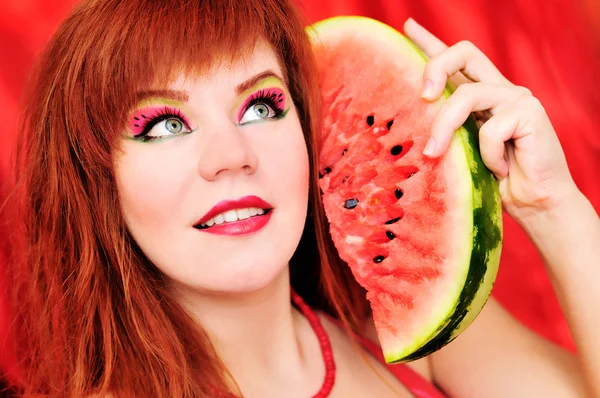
548 46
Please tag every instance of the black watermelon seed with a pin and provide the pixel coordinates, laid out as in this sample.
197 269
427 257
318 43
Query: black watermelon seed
136 118
370 120
345 151
390 235
351 203
378 259
393 220
144 116
327 171
397 150
398 192
389 125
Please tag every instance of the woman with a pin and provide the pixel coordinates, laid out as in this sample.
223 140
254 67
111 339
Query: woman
169 173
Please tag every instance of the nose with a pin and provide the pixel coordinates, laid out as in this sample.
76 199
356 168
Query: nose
227 151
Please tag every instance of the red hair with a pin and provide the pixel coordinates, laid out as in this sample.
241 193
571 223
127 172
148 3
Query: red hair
94 315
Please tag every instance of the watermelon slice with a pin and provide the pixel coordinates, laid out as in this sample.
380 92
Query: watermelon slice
423 236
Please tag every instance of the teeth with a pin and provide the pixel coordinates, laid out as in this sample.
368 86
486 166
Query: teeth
242 214
230 216
233 215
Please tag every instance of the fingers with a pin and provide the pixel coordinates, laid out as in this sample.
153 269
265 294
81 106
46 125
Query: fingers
510 128
463 57
431 46
492 140
461 62
424 39
466 99
510 107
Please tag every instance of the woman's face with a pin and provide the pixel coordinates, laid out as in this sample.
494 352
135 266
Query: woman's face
213 176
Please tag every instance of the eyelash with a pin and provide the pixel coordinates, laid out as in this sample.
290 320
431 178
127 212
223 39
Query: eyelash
267 97
160 115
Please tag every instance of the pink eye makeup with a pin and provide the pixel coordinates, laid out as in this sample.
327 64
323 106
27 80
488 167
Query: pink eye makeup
157 122
264 104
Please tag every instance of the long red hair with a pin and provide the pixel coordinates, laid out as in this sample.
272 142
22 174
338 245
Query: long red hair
92 312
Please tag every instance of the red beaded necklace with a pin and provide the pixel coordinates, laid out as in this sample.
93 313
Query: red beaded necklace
326 350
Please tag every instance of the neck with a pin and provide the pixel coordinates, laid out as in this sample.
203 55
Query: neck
258 335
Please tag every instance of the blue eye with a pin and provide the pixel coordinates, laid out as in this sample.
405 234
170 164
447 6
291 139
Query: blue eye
164 123
174 126
169 125
257 111
264 105
163 127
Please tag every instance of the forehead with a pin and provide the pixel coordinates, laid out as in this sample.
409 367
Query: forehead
228 75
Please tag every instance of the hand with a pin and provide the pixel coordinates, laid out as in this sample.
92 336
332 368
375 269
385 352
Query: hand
517 141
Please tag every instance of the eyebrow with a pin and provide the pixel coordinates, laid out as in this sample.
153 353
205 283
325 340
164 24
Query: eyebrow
176 95
183 96
255 80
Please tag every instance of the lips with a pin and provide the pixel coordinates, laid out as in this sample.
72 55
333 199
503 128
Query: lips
233 211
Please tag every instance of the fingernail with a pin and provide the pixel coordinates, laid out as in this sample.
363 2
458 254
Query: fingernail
427 89
429 147
412 20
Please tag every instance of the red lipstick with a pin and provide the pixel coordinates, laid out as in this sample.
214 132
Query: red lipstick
238 227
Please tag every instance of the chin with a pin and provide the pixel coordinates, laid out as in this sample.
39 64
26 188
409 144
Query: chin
251 277
235 276
228 266
255 268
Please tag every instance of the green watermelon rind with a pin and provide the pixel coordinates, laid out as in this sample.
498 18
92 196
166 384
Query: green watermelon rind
442 316
487 247
486 233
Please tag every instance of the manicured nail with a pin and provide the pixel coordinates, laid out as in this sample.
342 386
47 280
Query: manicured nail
412 20
427 89
429 147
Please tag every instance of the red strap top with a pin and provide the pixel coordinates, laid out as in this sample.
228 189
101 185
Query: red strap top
414 382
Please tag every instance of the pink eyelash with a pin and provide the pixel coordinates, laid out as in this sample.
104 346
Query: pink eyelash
142 117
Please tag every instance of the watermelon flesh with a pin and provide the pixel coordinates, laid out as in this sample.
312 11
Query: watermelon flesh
423 236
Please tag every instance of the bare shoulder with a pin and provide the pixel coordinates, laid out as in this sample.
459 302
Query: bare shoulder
497 348
494 349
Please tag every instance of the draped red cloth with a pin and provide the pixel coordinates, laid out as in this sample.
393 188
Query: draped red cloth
547 46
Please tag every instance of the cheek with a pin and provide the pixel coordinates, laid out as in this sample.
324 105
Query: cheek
291 180
150 195
294 179
289 166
